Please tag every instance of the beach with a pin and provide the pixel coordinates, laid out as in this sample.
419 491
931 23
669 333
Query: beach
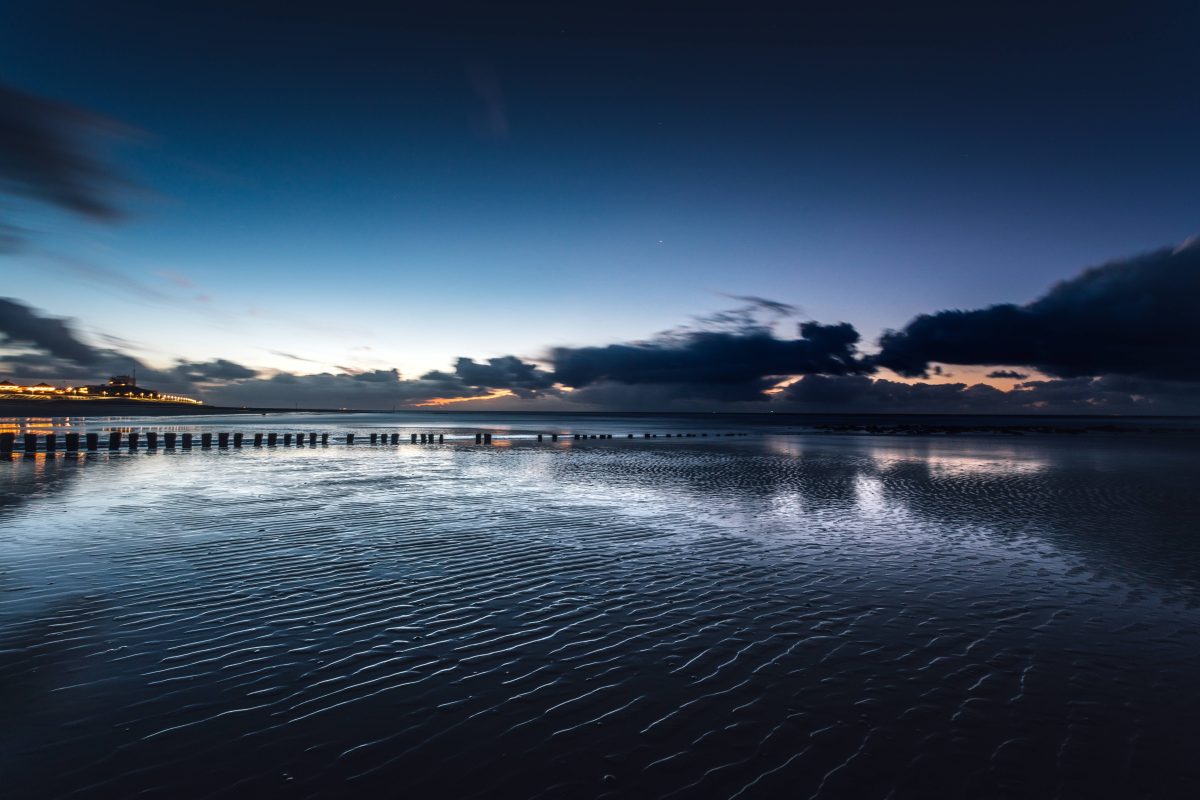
788 612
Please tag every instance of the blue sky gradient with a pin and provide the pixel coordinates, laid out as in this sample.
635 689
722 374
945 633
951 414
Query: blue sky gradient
368 188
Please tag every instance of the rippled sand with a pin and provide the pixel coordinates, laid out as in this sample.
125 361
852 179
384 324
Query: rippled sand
769 617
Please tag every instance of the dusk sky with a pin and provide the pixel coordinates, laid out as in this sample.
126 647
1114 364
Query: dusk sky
235 196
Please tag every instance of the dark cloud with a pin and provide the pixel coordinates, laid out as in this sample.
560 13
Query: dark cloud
715 365
1104 395
605 395
41 347
372 389
523 379
447 384
1132 317
375 390
60 354
217 370
40 366
771 306
47 153
1118 339
21 325
756 315
860 393
377 376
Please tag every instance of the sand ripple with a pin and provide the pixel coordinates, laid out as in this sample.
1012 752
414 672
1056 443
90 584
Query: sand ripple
760 618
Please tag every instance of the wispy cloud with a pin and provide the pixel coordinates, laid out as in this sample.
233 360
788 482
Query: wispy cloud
182 281
294 357
50 153
107 277
774 307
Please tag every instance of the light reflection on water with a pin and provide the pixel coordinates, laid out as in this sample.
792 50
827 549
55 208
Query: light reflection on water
42 425
800 615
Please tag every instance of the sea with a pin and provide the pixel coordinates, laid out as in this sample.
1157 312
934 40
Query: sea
797 607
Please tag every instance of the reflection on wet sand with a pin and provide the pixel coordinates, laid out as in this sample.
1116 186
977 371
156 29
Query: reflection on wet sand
25 479
815 616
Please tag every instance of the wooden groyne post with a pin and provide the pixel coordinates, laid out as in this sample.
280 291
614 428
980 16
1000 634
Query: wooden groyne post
32 443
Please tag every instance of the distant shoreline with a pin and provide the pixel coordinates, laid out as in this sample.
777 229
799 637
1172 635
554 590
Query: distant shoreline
844 423
106 408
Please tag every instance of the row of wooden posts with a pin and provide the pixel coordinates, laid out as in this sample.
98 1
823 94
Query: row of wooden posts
133 440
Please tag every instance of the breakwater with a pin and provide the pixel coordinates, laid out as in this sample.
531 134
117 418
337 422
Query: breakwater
133 441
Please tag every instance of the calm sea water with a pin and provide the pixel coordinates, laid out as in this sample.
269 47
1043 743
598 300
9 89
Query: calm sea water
777 615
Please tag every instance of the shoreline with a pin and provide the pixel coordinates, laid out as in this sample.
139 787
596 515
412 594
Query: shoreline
907 424
104 408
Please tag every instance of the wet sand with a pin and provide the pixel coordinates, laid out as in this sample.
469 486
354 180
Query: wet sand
801 616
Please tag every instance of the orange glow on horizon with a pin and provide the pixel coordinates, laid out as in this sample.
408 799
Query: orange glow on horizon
969 375
445 401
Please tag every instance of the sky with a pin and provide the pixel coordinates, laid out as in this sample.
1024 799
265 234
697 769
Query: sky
340 200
